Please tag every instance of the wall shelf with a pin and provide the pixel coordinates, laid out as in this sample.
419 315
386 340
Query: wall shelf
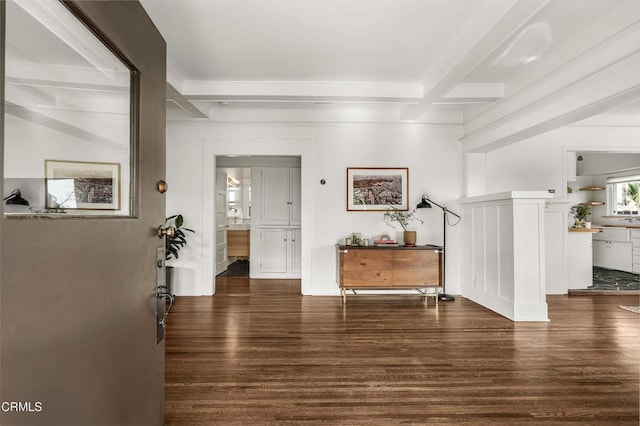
593 188
595 203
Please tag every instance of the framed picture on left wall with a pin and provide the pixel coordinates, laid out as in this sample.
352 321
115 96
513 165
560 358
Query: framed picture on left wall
82 185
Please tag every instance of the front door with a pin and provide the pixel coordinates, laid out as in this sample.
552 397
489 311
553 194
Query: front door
78 267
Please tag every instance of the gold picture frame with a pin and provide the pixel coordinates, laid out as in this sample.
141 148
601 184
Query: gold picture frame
82 185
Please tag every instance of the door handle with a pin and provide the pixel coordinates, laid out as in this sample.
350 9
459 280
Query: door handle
169 231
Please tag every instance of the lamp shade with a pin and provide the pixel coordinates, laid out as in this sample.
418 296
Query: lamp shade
423 204
16 198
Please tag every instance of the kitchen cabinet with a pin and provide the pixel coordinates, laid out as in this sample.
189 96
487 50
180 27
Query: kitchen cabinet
275 230
613 255
280 196
612 249
635 250
238 242
280 253
580 261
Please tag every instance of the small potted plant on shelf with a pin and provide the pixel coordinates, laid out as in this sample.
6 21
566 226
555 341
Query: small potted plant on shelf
173 244
404 219
580 213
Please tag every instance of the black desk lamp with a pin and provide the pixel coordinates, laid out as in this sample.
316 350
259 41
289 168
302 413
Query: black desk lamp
16 198
425 204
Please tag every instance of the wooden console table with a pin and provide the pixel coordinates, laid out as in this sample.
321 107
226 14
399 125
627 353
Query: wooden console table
389 268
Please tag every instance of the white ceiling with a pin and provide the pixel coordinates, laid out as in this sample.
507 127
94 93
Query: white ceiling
424 60
335 40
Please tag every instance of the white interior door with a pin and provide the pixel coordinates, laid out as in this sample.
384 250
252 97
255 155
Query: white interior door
221 222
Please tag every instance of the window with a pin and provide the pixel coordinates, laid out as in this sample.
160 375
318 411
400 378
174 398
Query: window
622 193
68 116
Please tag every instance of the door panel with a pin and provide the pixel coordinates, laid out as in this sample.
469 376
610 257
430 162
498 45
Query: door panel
419 267
78 295
296 193
275 196
273 250
367 268
296 248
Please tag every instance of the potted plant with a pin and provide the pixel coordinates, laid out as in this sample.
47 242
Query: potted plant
173 244
404 219
580 213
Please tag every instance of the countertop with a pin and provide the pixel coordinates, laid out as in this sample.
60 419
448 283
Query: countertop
391 246
239 226
617 226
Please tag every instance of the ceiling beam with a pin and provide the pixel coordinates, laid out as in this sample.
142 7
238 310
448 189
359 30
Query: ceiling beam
590 81
61 76
174 96
61 126
491 31
26 83
479 90
334 92
253 113
577 102
299 90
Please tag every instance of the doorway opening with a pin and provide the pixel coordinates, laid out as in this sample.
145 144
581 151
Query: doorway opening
257 217
605 183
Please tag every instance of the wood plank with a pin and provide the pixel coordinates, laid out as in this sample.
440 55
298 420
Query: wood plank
259 353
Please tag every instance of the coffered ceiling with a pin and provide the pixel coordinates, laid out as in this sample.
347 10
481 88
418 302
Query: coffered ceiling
502 69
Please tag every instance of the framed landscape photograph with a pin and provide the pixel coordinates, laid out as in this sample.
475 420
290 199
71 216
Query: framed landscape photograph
82 185
375 189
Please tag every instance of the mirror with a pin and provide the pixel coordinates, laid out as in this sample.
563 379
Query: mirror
68 119
238 195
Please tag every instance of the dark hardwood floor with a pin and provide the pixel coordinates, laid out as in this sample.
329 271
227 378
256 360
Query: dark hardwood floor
259 353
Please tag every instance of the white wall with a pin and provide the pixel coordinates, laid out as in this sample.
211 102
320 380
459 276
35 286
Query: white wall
432 153
537 163
29 144
598 163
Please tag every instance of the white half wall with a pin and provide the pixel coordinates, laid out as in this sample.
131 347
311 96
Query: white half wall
504 253
432 153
